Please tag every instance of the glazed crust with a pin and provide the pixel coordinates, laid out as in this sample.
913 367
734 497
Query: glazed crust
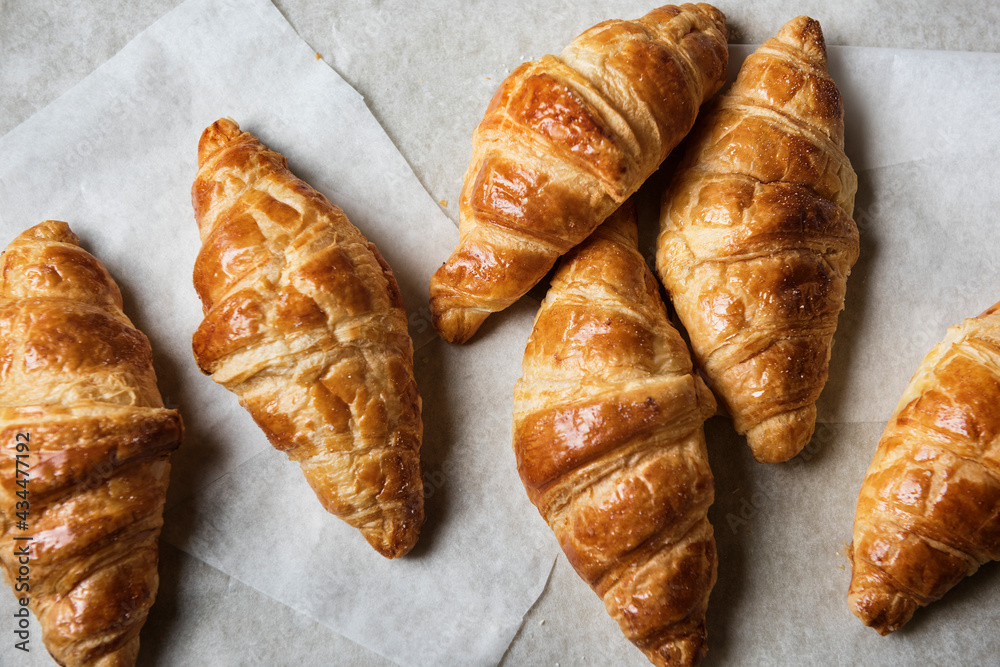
77 381
610 445
757 240
565 140
304 322
928 512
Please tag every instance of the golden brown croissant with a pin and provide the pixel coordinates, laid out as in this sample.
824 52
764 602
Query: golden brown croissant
564 142
929 509
304 322
757 240
610 445
85 443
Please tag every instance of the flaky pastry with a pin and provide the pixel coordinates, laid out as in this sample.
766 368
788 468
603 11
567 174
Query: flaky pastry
757 240
304 322
610 445
85 444
565 140
928 513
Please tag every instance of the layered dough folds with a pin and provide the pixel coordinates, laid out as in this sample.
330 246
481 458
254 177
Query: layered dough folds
610 445
79 403
565 140
757 239
928 513
304 322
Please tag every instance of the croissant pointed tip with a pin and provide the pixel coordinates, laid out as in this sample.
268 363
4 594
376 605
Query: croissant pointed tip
878 606
51 230
780 437
385 549
216 136
457 325
716 15
126 655
393 541
807 34
684 649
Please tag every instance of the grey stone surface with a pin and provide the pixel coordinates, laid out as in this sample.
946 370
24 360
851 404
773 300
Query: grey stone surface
440 61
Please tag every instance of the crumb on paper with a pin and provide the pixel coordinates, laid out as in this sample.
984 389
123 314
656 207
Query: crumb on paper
318 56
444 202
541 622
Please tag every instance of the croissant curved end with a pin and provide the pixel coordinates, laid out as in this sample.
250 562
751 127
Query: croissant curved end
126 655
394 540
51 230
215 137
457 325
806 34
877 605
716 16
780 437
687 649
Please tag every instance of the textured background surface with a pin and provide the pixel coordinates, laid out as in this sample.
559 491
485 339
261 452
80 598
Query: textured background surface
426 71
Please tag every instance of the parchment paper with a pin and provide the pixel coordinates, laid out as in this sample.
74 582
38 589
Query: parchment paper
115 157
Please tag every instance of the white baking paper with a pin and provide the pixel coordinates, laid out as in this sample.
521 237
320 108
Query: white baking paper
115 157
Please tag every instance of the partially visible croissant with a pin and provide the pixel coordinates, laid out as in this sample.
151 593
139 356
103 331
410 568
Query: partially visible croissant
85 442
563 143
304 322
928 512
610 445
757 239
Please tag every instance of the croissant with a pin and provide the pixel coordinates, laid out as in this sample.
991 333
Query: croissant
756 239
85 444
565 140
609 443
929 508
304 322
